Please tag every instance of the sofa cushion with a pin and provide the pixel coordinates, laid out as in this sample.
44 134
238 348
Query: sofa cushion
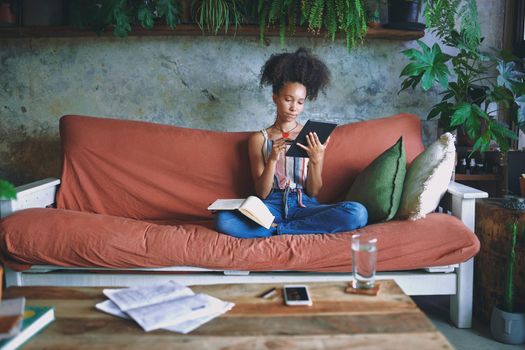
71 238
427 179
148 171
380 185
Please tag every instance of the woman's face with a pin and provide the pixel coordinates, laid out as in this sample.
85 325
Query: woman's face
290 101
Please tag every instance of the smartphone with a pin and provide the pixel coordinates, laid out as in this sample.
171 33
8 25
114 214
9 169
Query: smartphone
296 295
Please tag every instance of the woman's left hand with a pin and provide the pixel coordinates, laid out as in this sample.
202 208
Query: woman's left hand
314 148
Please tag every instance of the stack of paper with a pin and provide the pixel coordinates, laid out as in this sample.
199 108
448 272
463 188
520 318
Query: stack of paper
171 306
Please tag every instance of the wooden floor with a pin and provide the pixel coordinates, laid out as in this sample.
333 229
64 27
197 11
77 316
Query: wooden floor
336 320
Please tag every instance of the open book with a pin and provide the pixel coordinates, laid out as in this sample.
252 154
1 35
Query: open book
169 306
252 207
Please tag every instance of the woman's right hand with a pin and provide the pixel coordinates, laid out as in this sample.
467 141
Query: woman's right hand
278 149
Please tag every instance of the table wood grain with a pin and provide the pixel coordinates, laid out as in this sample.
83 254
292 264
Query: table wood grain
336 320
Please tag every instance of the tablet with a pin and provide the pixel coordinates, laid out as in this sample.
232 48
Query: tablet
323 130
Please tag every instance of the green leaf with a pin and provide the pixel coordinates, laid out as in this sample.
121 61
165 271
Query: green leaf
428 80
461 113
413 69
502 130
508 75
520 101
442 108
413 54
145 17
7 190
169 9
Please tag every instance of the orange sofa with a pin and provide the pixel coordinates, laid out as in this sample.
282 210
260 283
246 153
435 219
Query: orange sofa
133 195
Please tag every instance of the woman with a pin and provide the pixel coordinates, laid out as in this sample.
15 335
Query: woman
289 185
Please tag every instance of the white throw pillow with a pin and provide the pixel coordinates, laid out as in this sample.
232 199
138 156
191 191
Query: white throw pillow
427 179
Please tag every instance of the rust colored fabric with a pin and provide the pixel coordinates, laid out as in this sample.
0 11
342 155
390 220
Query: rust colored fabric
151 172
78 239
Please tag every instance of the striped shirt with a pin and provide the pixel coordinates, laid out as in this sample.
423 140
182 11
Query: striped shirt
289 171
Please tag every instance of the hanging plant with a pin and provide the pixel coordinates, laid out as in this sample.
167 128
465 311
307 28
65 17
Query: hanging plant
284 12
123 14
347 16
212 15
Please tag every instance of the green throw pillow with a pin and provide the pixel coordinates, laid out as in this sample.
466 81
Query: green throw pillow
380 185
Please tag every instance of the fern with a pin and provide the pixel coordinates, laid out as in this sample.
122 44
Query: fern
292 16
347 16
282 28
469 23
440 15
264 9
331 19
315 16
275 11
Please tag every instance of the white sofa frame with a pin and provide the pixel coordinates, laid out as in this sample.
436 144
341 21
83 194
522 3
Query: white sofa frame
455 280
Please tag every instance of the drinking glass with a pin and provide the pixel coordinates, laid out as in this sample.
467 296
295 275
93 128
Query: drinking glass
364 258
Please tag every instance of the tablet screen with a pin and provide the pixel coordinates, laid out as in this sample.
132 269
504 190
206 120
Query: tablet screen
323 130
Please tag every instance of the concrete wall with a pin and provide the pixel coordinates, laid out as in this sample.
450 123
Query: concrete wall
201 82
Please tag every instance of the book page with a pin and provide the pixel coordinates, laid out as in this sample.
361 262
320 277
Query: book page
176 311
255 209
226 204
184 327
134 297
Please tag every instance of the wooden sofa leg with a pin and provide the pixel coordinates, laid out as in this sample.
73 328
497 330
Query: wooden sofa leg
461 302
12 278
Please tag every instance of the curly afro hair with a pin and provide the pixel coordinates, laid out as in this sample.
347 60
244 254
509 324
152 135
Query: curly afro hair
298 67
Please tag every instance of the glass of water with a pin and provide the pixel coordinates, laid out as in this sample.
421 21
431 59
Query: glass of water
364 259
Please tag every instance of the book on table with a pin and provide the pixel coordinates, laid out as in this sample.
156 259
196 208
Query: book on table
34 319
252 207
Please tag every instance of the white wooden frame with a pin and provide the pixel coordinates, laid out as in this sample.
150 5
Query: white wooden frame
454 280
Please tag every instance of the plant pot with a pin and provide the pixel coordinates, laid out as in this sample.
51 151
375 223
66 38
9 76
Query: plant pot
42 12
403 14
507 327
7 17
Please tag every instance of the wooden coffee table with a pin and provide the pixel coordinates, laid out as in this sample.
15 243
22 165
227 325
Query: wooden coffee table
337 320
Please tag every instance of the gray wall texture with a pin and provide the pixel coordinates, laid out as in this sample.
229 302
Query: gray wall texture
199 82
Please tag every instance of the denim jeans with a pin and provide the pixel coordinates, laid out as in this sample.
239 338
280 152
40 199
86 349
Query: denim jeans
292 219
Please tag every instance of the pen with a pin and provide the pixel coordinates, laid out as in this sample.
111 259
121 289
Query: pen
268 293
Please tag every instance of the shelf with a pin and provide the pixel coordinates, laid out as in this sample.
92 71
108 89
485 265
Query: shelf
476 177
192 30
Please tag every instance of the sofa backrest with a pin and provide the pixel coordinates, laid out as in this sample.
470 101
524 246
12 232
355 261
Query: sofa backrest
149 171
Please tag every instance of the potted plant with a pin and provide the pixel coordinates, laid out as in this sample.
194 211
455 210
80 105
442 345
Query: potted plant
404 14
468 89
333 16
7 190
507 325
373 13
212 15
121 15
